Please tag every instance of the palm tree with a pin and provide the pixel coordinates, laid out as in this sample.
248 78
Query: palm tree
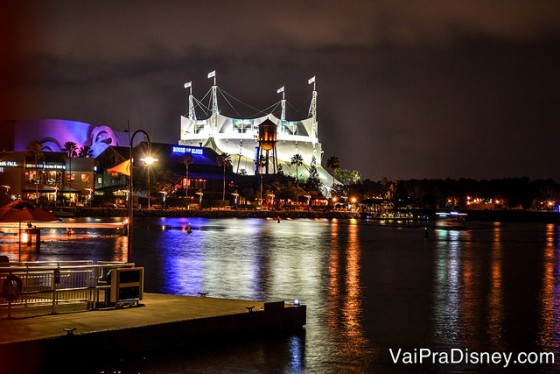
333 163
35 150
85 151
70 148
296 160
187 160
224 160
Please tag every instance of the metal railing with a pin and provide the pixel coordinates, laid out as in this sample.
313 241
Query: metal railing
37 288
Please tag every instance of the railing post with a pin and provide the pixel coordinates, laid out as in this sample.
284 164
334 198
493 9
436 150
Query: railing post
55 277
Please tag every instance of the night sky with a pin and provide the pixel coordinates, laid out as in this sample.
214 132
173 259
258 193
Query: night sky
406 89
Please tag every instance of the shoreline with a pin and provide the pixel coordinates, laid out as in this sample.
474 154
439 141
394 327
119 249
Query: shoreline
473 215
210 213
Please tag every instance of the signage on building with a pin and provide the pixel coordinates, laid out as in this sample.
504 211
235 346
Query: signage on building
11 164
45 166
194 151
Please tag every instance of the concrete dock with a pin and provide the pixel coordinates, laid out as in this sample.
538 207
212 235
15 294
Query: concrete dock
161 322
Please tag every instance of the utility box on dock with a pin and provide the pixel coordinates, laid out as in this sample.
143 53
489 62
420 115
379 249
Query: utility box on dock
127 285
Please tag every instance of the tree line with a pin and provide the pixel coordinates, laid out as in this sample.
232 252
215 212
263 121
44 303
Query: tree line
505 193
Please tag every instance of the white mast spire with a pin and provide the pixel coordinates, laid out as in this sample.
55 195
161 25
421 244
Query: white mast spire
313 107
214 98
192 113
283 103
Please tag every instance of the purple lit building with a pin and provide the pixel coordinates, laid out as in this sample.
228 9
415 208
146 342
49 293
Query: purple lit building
54 133
53 175
55 178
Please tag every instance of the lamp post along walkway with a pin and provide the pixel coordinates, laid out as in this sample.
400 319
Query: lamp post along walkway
149 160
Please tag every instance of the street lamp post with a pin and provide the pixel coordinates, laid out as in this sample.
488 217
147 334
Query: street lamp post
90 190
131 189
7 187
164 193
148 161
200 194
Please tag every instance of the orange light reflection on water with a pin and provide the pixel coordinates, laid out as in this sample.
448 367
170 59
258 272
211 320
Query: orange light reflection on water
496 296
549 336
345 293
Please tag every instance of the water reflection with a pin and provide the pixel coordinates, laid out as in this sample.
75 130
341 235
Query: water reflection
62 244
352 302
447 288
266 260
549 337
367 286
345 299
496 294
469 294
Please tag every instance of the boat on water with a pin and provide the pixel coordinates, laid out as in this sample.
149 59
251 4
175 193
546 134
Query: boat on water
62 213
452 220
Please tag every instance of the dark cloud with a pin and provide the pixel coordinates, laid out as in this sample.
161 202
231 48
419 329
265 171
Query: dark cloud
406 89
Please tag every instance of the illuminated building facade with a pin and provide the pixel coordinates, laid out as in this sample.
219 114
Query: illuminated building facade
54 133
48 179
53 174
240 137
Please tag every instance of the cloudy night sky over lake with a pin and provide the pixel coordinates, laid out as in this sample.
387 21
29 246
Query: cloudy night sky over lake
406 89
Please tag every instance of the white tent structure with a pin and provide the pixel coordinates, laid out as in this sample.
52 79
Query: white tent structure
239 137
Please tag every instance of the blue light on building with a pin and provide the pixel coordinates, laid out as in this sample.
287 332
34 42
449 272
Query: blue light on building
194 151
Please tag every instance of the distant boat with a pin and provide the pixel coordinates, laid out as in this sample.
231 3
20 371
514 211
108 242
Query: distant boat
62 213
452 220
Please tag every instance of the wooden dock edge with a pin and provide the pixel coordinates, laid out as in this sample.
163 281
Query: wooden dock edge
72 351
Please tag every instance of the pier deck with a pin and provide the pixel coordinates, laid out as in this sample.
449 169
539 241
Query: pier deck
163 321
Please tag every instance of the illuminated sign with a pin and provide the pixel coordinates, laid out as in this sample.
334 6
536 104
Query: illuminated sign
45 166
11 164
193 151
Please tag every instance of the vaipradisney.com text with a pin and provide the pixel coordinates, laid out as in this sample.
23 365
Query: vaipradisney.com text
420 356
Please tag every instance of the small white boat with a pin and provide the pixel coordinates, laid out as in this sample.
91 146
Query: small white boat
451 220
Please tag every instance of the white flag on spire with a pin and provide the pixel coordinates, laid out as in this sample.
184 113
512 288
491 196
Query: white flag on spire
281 89
188 84
311 80
212 74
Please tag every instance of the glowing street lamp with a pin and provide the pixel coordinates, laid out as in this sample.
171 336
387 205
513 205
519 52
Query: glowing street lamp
7 189
164 193
200 194
235 195
55 188
271 196
90 190
308 197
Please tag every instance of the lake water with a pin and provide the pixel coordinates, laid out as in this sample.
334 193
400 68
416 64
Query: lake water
376 293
